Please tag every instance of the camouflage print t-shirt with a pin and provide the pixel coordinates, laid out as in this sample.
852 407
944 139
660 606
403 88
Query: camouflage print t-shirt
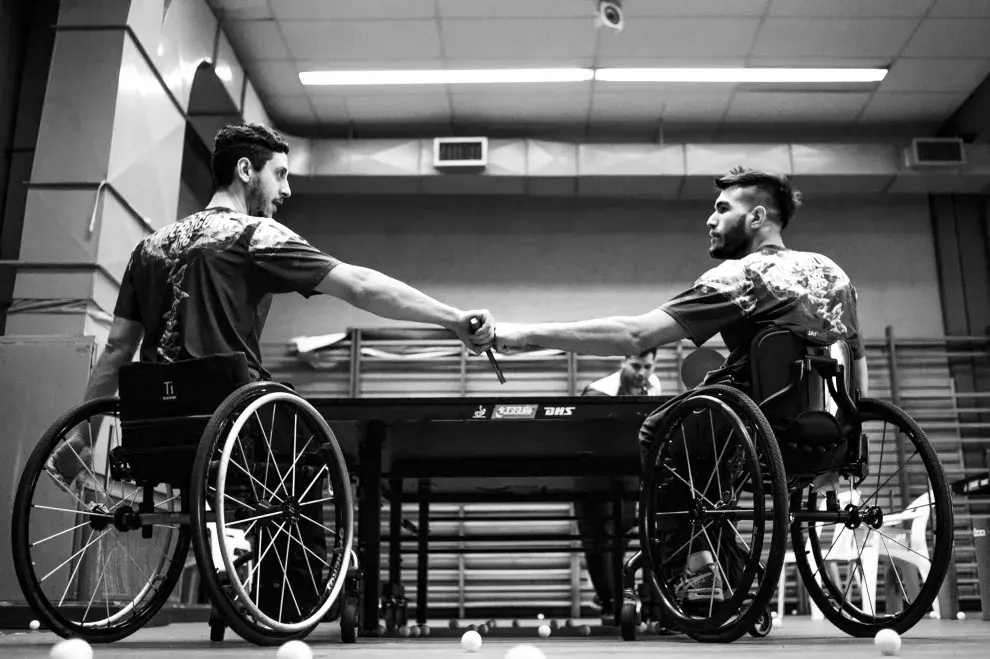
203 285
772 287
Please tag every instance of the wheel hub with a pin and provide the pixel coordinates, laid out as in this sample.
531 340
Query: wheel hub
290 510
873 517
698 511
854 518
100 517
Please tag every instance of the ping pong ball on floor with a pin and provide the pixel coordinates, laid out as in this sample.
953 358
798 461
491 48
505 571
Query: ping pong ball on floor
34 624
525 651
471 641
960 616
74 648
888 641
544 631
295 650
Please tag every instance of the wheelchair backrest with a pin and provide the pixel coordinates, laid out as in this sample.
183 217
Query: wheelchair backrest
191 387
774 354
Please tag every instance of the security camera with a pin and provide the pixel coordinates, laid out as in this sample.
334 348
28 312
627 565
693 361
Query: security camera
610 15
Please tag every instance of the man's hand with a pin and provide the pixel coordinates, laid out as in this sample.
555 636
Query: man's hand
476 341
511 337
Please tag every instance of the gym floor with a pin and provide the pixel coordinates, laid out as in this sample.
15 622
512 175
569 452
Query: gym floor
939 639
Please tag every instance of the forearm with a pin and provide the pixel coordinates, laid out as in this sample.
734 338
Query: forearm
614 336
383 296
861 377
103 378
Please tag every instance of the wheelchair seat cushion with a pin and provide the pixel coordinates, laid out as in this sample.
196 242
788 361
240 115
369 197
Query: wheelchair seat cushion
184 388
812 428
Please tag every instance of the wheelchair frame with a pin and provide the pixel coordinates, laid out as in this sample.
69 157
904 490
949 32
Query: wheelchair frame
794 420
218 451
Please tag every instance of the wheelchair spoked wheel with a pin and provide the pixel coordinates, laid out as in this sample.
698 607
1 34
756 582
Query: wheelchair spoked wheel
267 468
84 569
737 512
871 531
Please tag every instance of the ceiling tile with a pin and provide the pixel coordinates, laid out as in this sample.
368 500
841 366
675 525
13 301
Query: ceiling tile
814 61
532 108
825 37
290 108
516 9
696 107
229 10
911 107
330 109
637 107
254 40
776 107
664 62
850 8
398 108
950 37
935 75
960 9
703 38
517 39
627 107
679 8
273 77
362 40
313 10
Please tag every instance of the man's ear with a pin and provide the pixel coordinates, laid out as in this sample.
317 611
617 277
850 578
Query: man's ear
759 216
244 169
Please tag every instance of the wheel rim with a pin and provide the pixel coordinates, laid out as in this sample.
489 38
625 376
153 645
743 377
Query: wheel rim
104 571
277 491
896 519
748 503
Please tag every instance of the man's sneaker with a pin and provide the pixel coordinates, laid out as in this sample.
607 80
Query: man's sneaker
705 584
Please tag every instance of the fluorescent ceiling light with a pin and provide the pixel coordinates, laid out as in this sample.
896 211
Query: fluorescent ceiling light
444 77
740 75
501 76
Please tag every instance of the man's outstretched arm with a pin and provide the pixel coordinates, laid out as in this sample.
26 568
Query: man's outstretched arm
384 296
122 343
616 335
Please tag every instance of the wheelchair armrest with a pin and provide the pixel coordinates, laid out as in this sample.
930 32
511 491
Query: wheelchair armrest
826 366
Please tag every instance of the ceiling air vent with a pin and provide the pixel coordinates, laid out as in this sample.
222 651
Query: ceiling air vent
460 154
936 152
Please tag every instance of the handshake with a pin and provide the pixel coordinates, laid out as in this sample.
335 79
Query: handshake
483 334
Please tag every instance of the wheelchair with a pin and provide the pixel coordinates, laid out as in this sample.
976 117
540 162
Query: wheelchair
192 452
727 479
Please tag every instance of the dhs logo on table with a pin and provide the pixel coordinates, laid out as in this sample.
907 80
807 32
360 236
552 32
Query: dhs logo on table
559 411
514 412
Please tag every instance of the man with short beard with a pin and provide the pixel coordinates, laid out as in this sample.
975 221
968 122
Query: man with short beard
759 284
203 286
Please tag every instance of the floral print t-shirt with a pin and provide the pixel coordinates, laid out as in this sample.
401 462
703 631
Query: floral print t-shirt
203 285
775 286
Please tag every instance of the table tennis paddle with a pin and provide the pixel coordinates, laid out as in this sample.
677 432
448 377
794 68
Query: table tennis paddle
698 364
475 324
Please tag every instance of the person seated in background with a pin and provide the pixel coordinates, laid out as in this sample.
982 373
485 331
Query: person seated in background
634 378
594 518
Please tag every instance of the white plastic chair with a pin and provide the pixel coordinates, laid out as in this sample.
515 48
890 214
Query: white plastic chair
859 549
909 545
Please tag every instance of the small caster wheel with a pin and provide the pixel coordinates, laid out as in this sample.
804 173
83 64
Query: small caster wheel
349 621
217 627
627 621
762 626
